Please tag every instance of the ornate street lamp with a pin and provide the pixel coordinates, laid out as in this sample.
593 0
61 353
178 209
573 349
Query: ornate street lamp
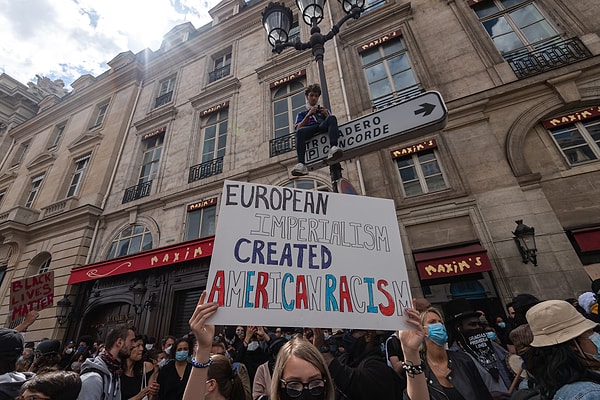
277 20
138 289
63 310
524 237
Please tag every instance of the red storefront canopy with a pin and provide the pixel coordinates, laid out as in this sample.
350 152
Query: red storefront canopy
186 251
455 261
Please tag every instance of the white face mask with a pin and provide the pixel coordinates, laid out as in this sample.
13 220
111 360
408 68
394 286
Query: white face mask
69 350
168 350
149 347
252 346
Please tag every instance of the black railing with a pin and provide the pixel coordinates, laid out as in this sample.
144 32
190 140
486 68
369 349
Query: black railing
137 192
550 56
163 99
282 144
218 73
206 169
395 98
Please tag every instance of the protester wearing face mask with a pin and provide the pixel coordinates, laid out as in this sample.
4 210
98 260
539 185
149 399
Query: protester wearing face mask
466 334
449 374
252 352
564 352
173 377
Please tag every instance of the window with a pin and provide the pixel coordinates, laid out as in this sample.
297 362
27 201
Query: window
288 101
45 266
420 173
2 194
373 4
131 240
215 136
165 92
515 26
80 167
294 33
201 223
579 142
57 135
151 158
3 273
389 74
20 154
222 67
308 184
99 115
35 187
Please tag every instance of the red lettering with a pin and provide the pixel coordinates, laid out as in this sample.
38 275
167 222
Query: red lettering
389 309
218 288
261 289
345 294
301 295
17 286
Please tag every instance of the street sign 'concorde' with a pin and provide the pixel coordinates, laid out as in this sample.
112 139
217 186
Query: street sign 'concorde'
407 120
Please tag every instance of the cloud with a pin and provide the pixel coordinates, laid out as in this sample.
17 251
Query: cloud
63 39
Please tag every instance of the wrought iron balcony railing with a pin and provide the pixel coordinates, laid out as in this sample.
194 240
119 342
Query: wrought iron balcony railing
555 54
218 73
282 144
163 99
137 192
206 169
395 97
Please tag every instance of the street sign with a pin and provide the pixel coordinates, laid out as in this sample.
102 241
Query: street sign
415 117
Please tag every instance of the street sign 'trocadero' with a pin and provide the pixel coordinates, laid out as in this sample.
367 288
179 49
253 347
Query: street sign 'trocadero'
413 118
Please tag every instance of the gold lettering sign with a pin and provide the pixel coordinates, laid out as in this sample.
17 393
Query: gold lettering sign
215 108
287 79
201 204
174 256
572 117
415 148
379 40
154 133
454 267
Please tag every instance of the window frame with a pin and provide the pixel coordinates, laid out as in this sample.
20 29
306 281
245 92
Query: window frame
154 162
20 154
99 115
79 173
57 135
420 175
291 93
34 189
171 83
217 151
581 128
202 221
119 240
219 71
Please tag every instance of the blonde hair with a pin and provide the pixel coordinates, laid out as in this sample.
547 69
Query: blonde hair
304 350
435 311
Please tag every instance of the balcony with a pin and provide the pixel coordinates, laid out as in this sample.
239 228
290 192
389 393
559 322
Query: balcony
552 55
206 169
218 73
137 192
163 99
282 144
395 97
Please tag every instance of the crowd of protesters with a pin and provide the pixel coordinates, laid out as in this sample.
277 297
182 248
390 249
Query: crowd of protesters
541 350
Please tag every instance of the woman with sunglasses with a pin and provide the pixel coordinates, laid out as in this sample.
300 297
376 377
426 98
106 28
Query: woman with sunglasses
211 378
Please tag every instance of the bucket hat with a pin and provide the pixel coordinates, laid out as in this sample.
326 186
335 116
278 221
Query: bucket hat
556 321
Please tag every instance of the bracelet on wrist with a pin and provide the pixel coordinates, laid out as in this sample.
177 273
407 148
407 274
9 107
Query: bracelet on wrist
201 365
412 369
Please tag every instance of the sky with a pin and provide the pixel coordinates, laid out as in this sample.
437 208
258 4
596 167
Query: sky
64 39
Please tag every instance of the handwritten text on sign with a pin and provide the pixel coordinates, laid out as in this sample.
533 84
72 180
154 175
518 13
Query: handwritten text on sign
31 293
290 254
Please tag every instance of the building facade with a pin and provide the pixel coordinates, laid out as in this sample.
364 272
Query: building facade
131 239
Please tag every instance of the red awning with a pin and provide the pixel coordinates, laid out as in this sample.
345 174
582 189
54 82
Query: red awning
186 251
588 239
455 261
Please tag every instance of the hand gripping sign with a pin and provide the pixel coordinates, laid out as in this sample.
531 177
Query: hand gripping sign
292 257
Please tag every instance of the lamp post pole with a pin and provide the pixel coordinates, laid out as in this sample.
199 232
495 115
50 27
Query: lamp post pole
277 19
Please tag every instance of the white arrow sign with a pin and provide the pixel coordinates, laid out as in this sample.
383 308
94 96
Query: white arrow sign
415 117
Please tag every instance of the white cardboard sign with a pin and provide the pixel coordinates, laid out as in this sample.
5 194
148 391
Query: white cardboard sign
293 257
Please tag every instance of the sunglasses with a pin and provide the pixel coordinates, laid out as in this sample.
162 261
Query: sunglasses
295 388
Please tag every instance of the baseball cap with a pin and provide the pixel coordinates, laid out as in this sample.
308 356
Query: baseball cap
47 347
11 342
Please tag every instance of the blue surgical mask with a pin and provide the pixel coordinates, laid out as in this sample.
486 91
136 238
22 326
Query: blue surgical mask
437 333
491 335
181 355
595 338
501 325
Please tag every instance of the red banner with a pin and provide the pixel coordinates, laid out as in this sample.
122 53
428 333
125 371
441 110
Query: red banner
31 293
164 256
446 263
588 239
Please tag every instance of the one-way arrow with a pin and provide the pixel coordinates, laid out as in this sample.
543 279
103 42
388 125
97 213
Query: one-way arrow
427 109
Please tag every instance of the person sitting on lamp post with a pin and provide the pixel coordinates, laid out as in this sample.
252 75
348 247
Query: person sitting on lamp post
314 120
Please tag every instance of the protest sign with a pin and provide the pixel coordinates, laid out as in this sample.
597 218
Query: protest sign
292 257
31 293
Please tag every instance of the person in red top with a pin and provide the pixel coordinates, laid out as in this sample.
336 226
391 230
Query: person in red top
314 120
